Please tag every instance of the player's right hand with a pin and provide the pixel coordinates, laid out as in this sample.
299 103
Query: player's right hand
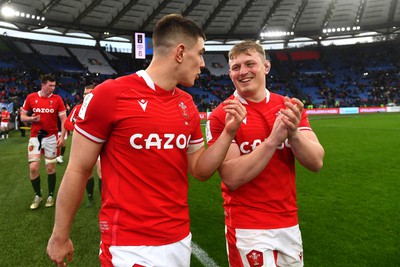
279 131
59 250
35 118
235 114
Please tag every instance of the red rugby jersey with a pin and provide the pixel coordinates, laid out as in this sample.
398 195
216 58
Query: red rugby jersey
269 200
5 116
146 132
49 108
69 123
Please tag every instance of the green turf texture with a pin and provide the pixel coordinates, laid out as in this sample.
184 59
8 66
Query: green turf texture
349 212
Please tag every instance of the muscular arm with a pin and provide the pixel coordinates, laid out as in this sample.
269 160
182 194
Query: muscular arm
204 162
83 156
29 119
61 140
305 145
307 150
238 169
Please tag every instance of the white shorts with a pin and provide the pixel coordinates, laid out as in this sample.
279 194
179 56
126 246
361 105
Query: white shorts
175 254
49 147
4 124
268 248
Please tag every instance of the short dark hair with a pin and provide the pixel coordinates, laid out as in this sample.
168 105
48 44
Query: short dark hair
48 78
174 28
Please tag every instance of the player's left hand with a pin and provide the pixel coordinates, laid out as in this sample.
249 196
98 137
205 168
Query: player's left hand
292 115
235 113
60 252
60 142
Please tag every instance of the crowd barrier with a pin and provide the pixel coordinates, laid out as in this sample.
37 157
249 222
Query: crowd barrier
335 111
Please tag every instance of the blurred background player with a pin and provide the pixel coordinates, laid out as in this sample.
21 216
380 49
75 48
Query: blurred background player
5 119
60 158
21 125
46 108
69 126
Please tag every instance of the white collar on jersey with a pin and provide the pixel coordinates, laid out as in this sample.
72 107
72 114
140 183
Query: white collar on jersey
40 95
146 78
143 74
243 101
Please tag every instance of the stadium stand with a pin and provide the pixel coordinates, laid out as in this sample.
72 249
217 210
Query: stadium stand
93 60
217 64
334 76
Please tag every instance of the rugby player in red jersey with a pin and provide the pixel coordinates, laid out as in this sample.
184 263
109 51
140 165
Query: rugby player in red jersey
149 137
258 173
46 107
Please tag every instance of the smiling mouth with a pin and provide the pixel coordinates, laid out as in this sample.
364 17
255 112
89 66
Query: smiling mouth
245 80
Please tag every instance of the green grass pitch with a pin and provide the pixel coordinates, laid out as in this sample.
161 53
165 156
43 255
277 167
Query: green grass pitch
349 212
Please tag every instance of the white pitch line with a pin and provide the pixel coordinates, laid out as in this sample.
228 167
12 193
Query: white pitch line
202 256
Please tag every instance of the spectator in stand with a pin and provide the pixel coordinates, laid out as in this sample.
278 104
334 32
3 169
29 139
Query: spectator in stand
46 108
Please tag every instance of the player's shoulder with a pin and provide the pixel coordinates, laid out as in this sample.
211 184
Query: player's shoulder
182 93
119 84
76 108
56 96
32 95
276 99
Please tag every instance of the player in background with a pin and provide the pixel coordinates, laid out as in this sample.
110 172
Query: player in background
258 173
148 138
21 125
69 125
4 124
60 158
46 108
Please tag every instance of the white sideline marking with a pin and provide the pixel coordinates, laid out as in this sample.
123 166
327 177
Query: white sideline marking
202 256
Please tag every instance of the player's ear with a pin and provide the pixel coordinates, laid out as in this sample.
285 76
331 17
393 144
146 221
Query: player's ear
230 74
179 52
267 66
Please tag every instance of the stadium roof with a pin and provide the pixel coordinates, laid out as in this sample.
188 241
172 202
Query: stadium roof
222 20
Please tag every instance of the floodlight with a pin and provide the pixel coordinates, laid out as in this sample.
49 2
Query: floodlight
7 11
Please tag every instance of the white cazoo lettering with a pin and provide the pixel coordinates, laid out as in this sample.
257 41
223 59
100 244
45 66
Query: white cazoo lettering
166 141
246 147
43 110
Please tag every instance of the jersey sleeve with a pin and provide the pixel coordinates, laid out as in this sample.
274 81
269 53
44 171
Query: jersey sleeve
69 123
27 104
61 106
95 118
304 122
197 140
215 125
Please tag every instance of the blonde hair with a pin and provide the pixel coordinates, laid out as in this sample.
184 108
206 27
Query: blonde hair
245 47
89 87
